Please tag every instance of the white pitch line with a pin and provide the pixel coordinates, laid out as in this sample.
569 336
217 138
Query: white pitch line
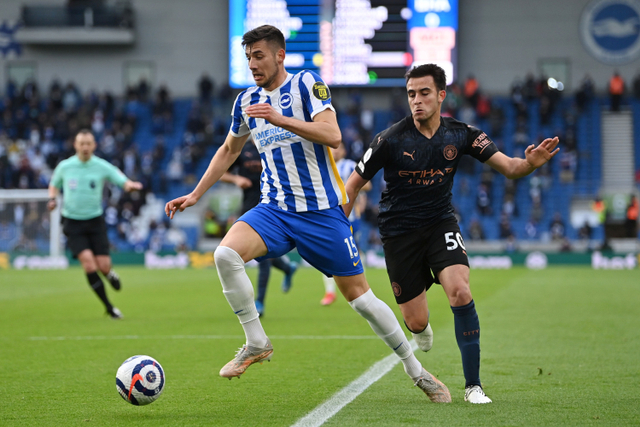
201 337
328 409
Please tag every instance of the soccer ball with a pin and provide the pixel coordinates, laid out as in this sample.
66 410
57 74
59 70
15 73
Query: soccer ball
140 380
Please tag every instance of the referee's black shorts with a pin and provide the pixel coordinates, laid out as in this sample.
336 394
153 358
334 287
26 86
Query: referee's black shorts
86 234
414 259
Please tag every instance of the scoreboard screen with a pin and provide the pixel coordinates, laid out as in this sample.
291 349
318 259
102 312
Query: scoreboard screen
350 42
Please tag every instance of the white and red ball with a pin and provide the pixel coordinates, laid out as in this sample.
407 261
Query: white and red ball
140 380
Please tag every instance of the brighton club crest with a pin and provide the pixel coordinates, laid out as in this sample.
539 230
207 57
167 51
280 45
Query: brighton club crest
610 30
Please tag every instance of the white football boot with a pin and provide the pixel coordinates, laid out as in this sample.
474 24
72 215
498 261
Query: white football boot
475 394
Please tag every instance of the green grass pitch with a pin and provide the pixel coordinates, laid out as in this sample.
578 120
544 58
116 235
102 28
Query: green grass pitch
560 346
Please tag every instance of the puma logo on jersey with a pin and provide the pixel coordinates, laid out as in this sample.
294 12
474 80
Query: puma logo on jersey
410 155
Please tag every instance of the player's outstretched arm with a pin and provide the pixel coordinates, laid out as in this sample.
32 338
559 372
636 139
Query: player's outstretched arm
221 161
132 185
354 184
238 180
323 129
513 167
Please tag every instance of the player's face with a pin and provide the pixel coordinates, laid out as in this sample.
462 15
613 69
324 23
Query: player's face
266 63
424 98
85 145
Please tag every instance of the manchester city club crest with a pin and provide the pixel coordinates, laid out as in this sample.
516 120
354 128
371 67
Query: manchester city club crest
610 30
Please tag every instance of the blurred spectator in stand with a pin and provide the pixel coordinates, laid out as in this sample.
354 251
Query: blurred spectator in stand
471 91
616 91
518 100
529 89
585 93
483 201
496 121
537 211
521 136
585 231
451 103
545 110
476 232
212 227
568 165
55 96
71 98
205 88
143 90
565 245
483 107
631 223
531 229
600 208
509 207
505 230
11 89
174 169
162 112
225 92
176 238
24 177
97 124
557 227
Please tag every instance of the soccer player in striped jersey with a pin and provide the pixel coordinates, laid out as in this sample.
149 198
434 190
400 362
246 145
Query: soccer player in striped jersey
293 125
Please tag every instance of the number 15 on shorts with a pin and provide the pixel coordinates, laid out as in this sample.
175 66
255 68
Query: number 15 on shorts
351 245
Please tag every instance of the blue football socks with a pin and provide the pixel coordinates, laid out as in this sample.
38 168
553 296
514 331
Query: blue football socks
468 337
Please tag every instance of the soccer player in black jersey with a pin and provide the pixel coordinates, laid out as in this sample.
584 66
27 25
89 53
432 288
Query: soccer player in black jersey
420 235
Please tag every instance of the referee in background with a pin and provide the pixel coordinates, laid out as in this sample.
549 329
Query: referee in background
81 179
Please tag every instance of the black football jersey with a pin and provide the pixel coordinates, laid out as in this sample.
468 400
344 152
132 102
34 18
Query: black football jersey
419 171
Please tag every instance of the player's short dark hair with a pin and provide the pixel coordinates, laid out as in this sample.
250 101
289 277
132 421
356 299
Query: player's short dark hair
269 33
84 131
438 74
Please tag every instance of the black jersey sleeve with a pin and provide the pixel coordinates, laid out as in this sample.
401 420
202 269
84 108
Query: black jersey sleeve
373 159
479 145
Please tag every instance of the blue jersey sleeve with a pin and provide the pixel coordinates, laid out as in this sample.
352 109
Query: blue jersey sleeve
238 125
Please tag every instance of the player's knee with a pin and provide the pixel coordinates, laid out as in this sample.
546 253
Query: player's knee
227 260
459 296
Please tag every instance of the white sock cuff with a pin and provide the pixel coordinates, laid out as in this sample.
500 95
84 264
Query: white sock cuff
361 303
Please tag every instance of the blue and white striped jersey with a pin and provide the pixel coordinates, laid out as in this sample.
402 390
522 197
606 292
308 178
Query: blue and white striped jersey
297 175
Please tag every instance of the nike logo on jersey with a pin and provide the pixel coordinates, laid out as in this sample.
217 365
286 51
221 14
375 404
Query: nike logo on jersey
409 155
356 263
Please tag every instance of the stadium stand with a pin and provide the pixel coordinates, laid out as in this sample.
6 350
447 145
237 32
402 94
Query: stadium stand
167 143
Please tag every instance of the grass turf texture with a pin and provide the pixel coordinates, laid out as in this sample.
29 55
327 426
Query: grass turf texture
559 347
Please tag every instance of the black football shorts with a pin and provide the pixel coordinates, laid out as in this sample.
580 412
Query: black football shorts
414 259
86 234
